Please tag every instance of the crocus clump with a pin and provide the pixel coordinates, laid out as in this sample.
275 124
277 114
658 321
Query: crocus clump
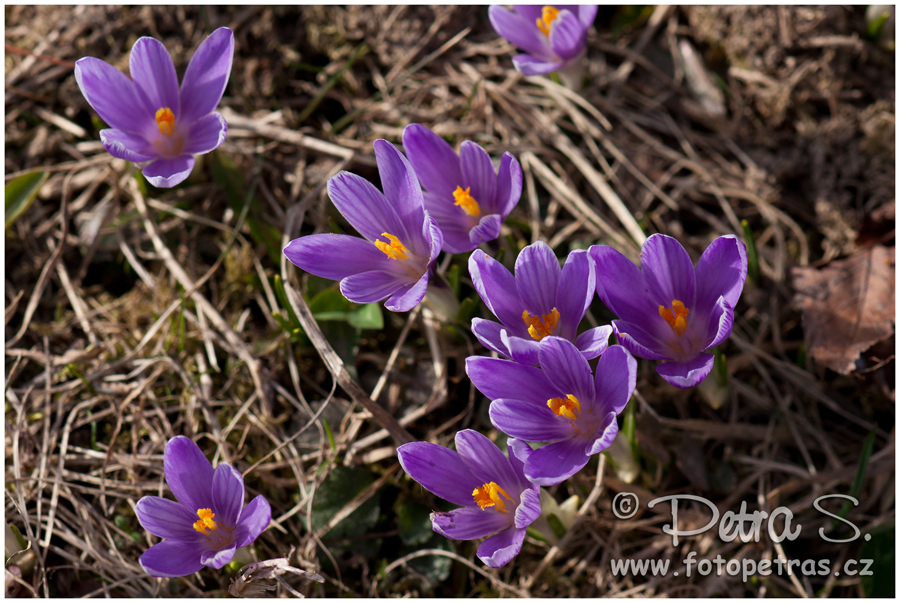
541 300
209 521
463 193
402 241
150 118
495 495
669 310
559 403
555 37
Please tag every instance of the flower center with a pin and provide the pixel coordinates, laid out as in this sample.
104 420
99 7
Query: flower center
539 328
489 495
395 250
548 16
466 202
165 121
566 407
205 524
676 317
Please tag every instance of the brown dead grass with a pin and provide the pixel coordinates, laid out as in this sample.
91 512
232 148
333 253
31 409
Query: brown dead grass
132 319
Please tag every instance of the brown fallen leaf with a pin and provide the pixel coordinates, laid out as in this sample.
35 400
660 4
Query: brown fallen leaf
847 305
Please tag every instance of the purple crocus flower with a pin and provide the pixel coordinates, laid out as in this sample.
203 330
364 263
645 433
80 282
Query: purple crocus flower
495 495
541 300
207 524
401 245
150 119
558 403
554 37
465 196
667 309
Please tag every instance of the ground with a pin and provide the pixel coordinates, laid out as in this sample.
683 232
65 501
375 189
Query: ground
136 314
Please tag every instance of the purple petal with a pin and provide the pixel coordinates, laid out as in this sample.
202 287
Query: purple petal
607 433
639 342
586 14
720 323
166 173
335 256
668 271
173 558
113 96
227 494
205 135
188 473
537 278
621 286
499 549
365 207
153 74
436 165
520 31
575 292
478 175
509 185
440 471
522 350
505 379
408 297
529 508
529 65
488 229
207 75
400 184
127 145
519 451
531 12
217 559
485 460
432 235
455 225
371 287
615 379
566 35
254 520
556 462
497 287
721 270
567 369
167 518
491 335
530 421
687 374
468 523
594 341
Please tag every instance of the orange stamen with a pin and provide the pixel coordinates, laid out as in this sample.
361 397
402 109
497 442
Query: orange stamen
466 202
205 524
676 317
395 250
539 328
165 120
566 407
488 495
548 16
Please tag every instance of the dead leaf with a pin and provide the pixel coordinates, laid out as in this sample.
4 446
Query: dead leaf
847 305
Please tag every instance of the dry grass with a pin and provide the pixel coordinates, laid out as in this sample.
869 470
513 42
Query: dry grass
133 316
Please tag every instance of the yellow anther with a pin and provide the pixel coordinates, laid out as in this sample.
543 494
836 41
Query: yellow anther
539 328
566 407
205 524
676 317
165 119
488 495
395 250
466 201
548 16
